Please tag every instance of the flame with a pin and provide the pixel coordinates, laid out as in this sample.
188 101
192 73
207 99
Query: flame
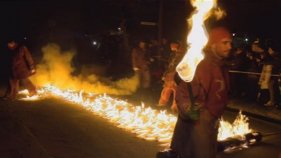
28 97
145 122
196 39
239 128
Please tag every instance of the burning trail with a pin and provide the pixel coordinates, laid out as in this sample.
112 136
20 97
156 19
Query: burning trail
142 120
146 122
55 79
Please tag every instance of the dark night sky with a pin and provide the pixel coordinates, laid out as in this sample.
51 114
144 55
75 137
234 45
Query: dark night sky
258 17
254 17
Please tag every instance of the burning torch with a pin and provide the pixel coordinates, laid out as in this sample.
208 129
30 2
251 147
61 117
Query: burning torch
196 41
233 143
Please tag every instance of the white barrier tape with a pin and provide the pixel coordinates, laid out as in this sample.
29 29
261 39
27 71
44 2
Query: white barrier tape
251 73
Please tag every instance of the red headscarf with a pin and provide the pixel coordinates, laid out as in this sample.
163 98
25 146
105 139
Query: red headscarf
218 33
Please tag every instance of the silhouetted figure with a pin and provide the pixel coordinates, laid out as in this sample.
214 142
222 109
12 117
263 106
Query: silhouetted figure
20 68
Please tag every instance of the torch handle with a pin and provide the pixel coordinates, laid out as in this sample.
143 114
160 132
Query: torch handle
191 97
192 113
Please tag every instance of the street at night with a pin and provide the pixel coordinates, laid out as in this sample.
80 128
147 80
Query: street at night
140 79
55 128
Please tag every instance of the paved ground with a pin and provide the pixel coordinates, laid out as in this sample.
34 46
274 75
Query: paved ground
52 128
250 108
55 129
16 139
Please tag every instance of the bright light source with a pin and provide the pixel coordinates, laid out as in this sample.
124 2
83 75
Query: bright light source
94 43
25 38
119 28
233 34
246 39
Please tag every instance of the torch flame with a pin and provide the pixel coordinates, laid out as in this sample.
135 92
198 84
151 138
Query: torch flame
196 39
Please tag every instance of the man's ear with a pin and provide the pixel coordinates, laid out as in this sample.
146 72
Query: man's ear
213 47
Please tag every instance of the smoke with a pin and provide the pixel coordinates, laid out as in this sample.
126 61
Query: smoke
56 69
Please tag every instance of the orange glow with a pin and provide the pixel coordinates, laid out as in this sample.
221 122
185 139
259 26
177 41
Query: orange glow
239 128
196 39
145 122
56 68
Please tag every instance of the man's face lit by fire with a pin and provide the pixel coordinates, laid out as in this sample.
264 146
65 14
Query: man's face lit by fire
174 47
142 45
12 45
222 48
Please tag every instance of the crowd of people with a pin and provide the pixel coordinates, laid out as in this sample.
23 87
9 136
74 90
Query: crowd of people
256 73
251 72
255 70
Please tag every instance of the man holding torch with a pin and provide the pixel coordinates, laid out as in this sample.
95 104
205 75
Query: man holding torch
202 101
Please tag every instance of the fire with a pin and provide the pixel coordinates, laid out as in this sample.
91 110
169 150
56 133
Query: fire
30 98
196 39
239 128
145 122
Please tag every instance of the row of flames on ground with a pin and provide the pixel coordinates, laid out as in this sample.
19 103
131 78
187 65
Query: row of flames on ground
146 122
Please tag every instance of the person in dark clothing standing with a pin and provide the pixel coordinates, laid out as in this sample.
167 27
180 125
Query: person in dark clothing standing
140 63
21 67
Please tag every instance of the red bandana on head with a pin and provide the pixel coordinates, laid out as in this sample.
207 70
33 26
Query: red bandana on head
218 33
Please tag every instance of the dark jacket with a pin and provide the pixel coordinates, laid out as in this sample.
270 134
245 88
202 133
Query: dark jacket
22 63
140 59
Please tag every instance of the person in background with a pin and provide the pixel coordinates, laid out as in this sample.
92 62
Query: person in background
21 67
169 87
239 62
140 63
273 59
255 57
279 91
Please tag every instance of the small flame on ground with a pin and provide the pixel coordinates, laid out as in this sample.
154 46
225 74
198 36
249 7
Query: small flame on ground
239 128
